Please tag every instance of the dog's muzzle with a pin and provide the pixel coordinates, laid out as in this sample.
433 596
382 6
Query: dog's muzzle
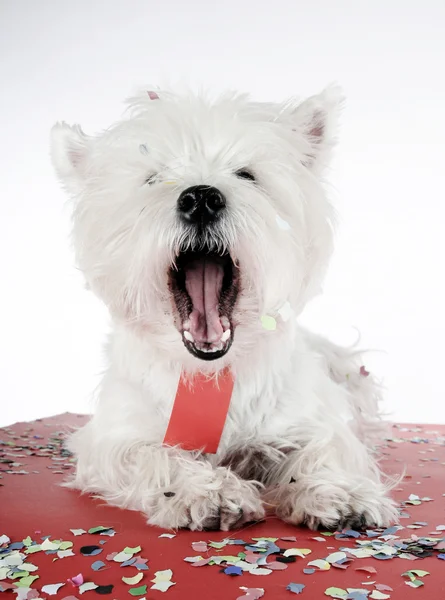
201 205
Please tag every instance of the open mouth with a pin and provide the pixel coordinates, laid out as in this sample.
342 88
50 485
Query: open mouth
205 286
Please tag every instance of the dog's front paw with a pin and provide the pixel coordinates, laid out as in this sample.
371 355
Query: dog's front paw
222 501
335 508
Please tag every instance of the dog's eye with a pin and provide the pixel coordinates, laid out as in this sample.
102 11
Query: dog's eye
245 174
150 179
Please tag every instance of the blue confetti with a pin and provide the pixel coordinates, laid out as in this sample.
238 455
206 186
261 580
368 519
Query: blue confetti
351 533
98 565
296 588
232 570
141 566
356 596
308 571
16 546
441 556
390 530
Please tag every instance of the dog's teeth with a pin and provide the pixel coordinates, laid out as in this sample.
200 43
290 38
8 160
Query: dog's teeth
225 322
225 336
188 336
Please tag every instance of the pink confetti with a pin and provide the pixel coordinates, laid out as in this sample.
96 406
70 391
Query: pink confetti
383 588
153 95
199 546
290 538
370 570
251 557
76 581
201 563
251 593
276 566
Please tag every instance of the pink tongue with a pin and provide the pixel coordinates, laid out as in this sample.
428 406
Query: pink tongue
203 282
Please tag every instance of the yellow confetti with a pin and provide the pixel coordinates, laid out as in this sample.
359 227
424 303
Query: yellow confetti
268 323
133 580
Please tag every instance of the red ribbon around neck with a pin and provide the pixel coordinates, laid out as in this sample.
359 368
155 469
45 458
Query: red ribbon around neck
199 412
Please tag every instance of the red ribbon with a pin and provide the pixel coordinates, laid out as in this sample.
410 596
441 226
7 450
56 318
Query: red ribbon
199 412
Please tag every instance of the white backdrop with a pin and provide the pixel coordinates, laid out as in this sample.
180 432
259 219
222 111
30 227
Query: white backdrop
77 60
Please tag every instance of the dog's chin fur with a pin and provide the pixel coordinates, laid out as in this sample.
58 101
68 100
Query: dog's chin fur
303 416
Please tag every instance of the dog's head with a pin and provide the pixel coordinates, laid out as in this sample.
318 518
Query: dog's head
194 218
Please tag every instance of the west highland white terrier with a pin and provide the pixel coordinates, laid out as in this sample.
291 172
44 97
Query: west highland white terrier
204 226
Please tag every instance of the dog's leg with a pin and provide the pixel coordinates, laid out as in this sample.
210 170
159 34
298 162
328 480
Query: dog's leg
173 488
331 482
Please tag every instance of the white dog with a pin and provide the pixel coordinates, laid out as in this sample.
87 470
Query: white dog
195 218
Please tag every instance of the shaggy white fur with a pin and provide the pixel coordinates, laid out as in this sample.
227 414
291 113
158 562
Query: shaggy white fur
299 431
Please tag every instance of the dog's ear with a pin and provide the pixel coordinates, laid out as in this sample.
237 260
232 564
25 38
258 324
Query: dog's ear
316 119
70 150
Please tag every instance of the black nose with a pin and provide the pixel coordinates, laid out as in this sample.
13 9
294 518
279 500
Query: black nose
201 204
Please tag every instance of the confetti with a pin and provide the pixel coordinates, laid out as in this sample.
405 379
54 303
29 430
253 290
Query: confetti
52 588
268 323
334 592
232 570
302 552
87 586
336 557
415 583
167 535
77 532
133 580
370 570
282 224
162 580
199 546
90 550
138 591
376 595
104 589
251 593
320 564
98 565
296 588
77 580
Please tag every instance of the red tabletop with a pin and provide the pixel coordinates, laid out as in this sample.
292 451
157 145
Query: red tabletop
33 506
